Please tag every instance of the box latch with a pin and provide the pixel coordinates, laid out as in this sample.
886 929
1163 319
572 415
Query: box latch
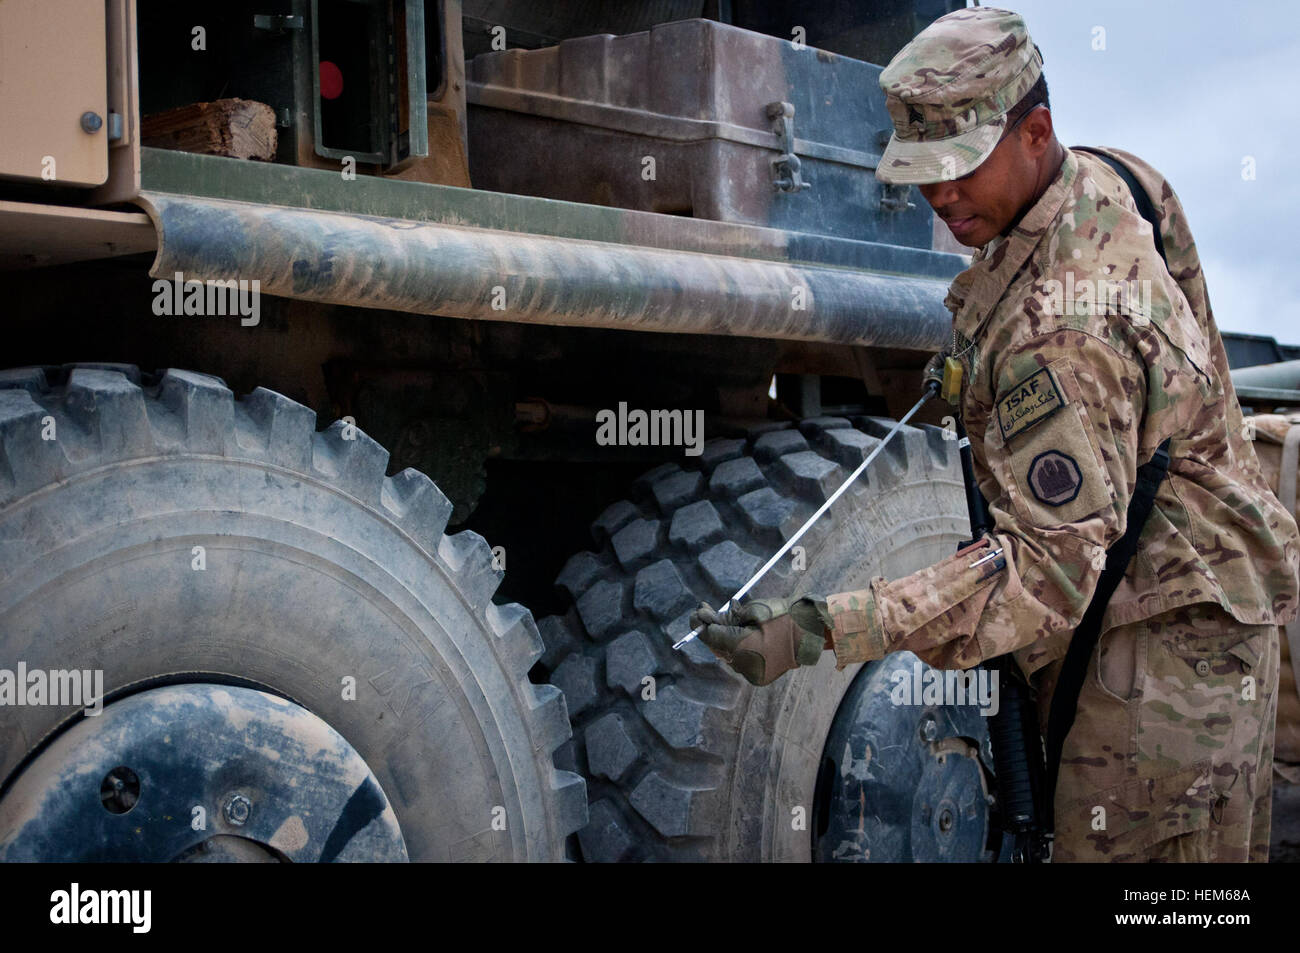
786 176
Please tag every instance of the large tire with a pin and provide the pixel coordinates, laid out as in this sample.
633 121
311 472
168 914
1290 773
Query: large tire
711 768
316 567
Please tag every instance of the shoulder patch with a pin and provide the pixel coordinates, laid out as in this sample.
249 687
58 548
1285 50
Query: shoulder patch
1054 478
1031 401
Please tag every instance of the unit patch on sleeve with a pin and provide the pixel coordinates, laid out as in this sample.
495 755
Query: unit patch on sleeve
1054 478
1031 401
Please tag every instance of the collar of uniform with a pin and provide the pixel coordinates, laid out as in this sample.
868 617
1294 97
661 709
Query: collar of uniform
977 290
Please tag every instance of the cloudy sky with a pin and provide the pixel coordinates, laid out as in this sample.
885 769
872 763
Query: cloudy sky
1195 87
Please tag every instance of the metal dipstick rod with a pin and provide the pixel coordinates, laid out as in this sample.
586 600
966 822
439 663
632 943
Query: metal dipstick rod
753 580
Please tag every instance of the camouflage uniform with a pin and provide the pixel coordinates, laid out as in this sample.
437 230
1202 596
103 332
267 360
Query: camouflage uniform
1067 391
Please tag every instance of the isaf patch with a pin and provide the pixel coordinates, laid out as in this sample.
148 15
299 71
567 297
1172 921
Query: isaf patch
1054 478
1031 401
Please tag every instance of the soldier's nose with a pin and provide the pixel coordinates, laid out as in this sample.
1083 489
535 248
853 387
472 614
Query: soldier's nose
939 194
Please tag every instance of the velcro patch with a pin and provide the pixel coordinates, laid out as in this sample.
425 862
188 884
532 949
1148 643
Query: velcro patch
1054 478
1031 401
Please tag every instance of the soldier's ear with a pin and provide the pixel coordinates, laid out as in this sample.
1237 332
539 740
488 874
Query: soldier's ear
1037 131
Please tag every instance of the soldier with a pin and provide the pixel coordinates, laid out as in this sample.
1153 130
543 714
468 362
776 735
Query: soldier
1082 354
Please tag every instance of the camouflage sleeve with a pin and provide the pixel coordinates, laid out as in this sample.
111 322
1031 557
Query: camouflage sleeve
1061 446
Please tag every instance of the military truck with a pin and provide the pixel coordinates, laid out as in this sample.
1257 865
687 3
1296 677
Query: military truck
550 269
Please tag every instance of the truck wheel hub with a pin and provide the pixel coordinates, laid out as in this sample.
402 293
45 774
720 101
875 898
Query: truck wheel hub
199 772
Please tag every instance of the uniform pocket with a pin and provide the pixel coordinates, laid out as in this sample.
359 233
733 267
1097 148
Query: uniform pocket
1120 823
1204 691
1053 468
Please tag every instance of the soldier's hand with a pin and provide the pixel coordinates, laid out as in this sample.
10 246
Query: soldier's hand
765 638
934 370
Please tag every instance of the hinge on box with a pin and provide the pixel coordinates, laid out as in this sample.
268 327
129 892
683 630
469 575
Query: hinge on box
786 176
894 198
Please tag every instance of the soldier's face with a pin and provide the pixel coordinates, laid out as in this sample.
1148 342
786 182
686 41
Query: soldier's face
988 201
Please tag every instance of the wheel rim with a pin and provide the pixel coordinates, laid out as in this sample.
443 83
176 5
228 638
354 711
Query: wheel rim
903 782
199 772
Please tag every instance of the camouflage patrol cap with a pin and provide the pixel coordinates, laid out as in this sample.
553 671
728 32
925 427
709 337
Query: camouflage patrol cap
948 92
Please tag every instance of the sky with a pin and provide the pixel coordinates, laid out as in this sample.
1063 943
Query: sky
1195 87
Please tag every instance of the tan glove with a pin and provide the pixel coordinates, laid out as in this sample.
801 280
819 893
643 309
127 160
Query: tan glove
934 370
764 639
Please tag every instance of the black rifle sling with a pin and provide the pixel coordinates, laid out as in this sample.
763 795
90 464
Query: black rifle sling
1065 699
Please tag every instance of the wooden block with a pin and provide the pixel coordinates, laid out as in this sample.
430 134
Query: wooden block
237 128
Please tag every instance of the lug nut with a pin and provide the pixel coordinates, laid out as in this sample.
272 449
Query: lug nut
120 790
929 729
237 809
